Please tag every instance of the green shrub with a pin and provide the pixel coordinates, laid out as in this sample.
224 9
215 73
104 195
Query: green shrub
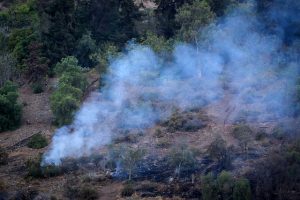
225 184
64 107
66 99
37 88
209 187
242 190
67 64
75 79
3 156
10 110
37 141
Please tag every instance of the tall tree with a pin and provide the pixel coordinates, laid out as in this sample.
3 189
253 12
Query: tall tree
57 28
165 14
191 18
108 20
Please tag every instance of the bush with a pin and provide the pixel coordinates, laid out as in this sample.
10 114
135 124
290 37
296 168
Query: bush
209 187
127 190
217 150
37 88
72 83
35 170
37 141
3 156
10 110
182 158
64 107
241 190
243 133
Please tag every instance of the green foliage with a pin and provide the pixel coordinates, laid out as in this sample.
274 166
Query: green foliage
64 107
37 88
7 67
191 18
72 82
242 190
10 110
37 141
225 184
107 52
3 156
165 14
36 63
209 187
68 64
85 48
158 43
108 20
57 28
74 79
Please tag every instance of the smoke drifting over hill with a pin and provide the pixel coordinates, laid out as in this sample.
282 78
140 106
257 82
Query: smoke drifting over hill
240 57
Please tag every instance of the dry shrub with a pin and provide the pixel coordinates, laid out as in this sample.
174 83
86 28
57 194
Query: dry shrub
127 190
3 156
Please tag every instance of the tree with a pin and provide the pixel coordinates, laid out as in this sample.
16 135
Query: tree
63 107
36 63
85 48
219 6
108 20
218 151
7 68
158 43
209 187
67 64
243 133
225 184
131 158
165 14
72 82
241 190
191 18
57 28
10 110
182 158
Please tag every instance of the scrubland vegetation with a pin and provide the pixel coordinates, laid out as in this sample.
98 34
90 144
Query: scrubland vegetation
56 48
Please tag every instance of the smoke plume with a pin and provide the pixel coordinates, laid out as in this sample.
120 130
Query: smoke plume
240 58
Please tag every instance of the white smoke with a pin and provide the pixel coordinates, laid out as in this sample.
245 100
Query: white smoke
142 87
